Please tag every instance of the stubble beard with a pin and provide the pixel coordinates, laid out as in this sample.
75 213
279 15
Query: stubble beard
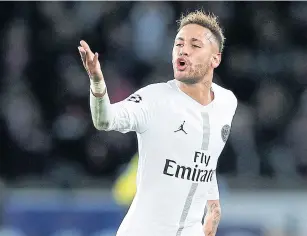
195 75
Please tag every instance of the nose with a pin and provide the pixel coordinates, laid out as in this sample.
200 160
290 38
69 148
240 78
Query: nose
183 51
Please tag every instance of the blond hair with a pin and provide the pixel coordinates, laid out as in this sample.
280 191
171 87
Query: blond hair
209 21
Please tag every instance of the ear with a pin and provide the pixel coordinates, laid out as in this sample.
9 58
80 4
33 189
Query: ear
216 60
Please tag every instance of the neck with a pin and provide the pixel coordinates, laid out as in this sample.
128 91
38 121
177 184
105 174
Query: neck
200 92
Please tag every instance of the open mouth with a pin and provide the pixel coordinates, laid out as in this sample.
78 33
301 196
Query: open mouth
181 64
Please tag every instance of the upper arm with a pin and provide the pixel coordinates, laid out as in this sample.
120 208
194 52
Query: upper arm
133 113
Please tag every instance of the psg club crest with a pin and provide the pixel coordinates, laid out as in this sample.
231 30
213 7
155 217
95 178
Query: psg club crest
225 132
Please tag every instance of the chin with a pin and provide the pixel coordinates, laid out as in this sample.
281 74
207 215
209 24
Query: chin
187 80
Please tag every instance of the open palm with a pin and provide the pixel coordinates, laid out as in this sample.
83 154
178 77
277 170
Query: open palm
90 61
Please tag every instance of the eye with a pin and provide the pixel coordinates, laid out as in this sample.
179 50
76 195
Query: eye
179 44
195 46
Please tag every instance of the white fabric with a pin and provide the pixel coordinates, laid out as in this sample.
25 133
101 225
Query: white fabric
98 86
176 172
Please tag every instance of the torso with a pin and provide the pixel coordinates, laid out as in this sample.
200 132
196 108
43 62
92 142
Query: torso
178 157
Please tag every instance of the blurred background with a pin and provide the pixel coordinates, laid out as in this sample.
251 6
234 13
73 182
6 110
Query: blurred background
59 176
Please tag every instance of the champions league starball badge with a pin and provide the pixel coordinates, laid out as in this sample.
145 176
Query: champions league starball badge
135 98
225 132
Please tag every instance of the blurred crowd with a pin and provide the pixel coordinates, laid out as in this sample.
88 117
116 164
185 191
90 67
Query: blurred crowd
46 130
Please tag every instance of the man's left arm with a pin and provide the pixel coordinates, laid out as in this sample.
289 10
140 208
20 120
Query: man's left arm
212 217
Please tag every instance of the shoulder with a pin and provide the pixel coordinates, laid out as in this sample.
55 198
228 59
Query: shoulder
225 97
151 92
162 87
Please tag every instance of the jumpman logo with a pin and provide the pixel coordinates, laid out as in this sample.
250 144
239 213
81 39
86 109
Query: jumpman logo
181 128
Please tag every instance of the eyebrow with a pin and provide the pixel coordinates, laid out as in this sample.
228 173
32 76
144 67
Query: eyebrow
193 39
209 36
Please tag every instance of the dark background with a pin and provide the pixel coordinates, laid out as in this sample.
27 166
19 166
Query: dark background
46 132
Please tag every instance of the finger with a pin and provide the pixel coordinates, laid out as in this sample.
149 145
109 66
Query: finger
85 45
81 49
89 56
82 53
95 59
83 60
89 53
87 59
83 56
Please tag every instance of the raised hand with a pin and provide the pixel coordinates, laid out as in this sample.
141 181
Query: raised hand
90 62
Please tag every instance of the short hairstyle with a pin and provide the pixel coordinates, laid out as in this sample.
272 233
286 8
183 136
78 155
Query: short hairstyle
209 21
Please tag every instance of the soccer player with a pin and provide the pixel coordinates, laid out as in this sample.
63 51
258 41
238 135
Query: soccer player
182 127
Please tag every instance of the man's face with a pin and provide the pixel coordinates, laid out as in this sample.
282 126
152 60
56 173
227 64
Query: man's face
195 52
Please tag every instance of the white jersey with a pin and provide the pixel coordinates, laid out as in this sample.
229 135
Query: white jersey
180 142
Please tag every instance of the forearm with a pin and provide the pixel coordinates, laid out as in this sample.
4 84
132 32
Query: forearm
123 116
212 219
101 111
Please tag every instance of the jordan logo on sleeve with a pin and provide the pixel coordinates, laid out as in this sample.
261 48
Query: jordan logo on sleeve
181 128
